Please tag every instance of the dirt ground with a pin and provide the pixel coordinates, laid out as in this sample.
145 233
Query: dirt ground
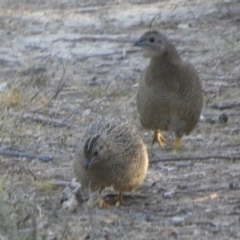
63 63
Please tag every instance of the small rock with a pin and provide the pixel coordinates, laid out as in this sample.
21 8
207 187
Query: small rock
74 184
3 86
70 205
211 120
202 118
168 194
66 194
183 26
178 221
86 112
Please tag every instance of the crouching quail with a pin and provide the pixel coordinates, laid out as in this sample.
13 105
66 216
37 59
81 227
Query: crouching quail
111 153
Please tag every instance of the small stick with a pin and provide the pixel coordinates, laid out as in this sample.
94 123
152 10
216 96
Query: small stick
42 158
212 224
188 158
225 106
47 121
108 38
31 173
107 54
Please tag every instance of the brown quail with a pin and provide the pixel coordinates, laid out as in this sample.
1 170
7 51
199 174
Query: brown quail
111 153
170 94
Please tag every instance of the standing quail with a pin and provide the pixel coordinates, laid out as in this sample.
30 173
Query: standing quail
170 94
111 153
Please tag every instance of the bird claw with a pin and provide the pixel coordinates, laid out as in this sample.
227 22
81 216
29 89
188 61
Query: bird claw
119 202
104 204
157 137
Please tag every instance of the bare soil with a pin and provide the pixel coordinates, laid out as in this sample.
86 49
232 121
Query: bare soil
63 63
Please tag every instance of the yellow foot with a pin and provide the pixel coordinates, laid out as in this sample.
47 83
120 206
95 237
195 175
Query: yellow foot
119 200
104 204
157 137
176 144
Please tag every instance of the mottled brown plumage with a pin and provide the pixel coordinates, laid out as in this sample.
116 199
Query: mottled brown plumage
169 96
111 153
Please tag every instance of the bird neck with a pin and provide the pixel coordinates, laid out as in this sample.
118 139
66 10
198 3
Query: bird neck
169 57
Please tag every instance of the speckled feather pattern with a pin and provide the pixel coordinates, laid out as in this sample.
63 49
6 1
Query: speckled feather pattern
125 160
169 96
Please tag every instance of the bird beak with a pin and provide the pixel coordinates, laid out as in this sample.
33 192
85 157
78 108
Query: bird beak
140 43
87 164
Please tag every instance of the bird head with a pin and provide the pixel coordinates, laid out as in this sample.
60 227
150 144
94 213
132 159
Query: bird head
153 43
95 151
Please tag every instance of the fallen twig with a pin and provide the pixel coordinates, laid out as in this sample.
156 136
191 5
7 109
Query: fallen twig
46 121
188 158
32 230
225 106
107 54
60 184
178 212
43 158
210 223
108 38
31 173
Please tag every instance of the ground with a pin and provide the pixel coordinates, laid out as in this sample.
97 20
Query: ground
63 63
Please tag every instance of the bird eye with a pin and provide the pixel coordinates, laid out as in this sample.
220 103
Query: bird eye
151 40
95 153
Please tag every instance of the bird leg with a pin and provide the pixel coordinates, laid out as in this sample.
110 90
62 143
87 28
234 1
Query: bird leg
158 137
104 204
176 144
119 200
